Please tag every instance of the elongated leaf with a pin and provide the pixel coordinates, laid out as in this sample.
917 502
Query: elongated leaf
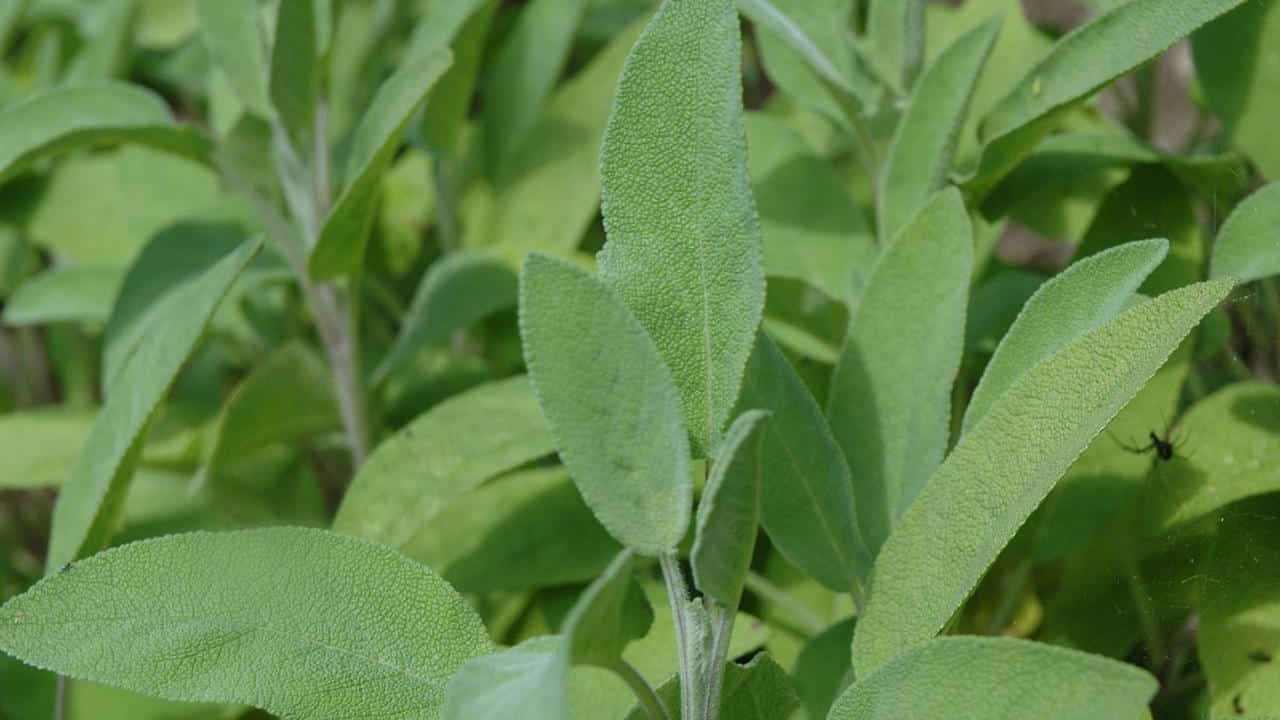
340 247
453 448
729 513
452 98
235 41
994 679
924 144
89 502
684 243
72 117
610 402
895 33
1248 247
72 294
302 623
808 499
816 32
609 616
524 74
1007 463
41 447
295 69
1085 296
890 398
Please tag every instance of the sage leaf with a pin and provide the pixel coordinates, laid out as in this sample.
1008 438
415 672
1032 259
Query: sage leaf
890 398
973 677
1248 247
300 623
526 681
1002 469
824 668
611 404
729 513
683 248
41 446
90 500
295 70
236 43
759 690
611 614
78 293
895 38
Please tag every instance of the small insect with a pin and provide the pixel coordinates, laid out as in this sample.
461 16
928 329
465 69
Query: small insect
1260 656
1237 704
64 568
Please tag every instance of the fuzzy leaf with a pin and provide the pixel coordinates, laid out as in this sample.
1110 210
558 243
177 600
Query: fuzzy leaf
729 513
1248 246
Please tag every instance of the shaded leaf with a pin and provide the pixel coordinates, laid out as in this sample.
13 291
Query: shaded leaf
729 513
759 690
236 44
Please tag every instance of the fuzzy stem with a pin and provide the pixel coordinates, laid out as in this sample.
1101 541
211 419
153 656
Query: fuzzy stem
678 594
644 693
722 633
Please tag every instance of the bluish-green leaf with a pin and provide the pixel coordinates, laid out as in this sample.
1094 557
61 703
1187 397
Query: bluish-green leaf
890 398
729 513
1248 245
1003 468
611 404
684 243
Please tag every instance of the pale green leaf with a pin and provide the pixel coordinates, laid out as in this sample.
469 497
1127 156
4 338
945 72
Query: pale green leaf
611 404
451 449
302 623
234 37
295 70
808 499
90 500
895 36
1248 246
994 679
73 117
920 156
526 681
684 243
890 396
41 447
1083 297
1003 468
340 248
70 294
610 615
729 513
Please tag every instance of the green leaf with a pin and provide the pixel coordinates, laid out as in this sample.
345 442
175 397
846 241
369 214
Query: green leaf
924 143
301 623
235 41
295 70
103 54
524 73
824 668
997 678
610 402
74 117
451 100
526 681
890 397
1247 247
684 243
610 615
1079 64
1080 299
451 449
68 294
525 531
90 500
41 447
340 247
808 506
729 513
1002 469
895 36
759 690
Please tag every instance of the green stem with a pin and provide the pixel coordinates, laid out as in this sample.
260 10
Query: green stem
60 698
644 693
678 595
812 624
446 207
722 632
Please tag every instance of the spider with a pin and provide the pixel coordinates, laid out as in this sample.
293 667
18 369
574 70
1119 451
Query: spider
1164 447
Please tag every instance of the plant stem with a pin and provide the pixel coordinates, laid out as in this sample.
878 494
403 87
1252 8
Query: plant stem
678 595
813 624
446 207
649 699
337 330
60 698
722 632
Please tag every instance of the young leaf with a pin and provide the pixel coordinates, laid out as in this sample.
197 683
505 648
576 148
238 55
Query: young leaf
89 502
526 681
895 34
1248 247
729 513
524 73
451 449
78 293
1007 463
807 501
684 243
40 447
300 623
890 397
996 678
1083 297
295 70
73 117
920 156
340 247
611 614
610 402
235 42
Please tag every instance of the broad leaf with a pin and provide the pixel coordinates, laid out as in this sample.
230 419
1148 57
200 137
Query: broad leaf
71 294
807 501
890 397
1248 246
90 501
1083 297
610 402
301 623
451 449
74 117
235 41
41 447
924 143
994 679
729 513
1003 468
684 243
